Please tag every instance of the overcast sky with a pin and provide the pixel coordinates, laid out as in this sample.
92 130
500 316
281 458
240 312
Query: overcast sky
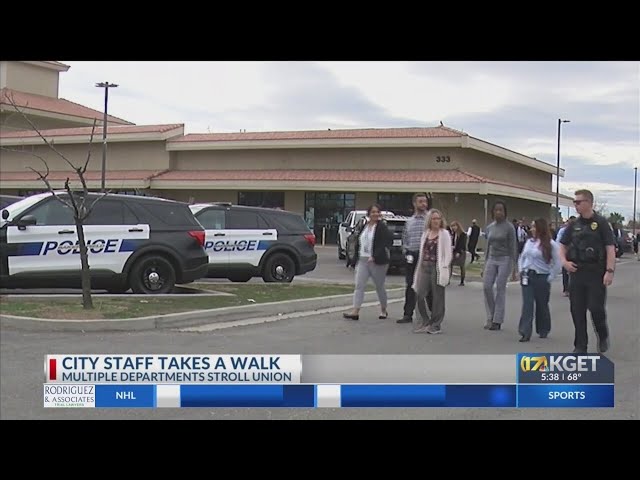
513 104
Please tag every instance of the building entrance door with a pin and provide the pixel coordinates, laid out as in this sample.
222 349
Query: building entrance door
326 211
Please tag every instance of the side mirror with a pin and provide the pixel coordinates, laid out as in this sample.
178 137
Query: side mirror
26 221
349 229
5 214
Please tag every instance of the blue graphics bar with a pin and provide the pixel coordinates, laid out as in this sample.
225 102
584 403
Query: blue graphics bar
330 396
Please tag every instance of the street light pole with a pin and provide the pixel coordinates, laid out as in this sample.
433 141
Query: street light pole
560 122
635 193
106 86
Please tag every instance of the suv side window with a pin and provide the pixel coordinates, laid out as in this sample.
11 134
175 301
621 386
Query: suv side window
262 222
52 212
110 212
241 220
212 219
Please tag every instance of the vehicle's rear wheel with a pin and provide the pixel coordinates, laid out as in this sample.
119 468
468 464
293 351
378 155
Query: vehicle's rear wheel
152 275
279 268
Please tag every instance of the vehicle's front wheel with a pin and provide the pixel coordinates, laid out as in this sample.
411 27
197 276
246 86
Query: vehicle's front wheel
152 274
341 253
279 268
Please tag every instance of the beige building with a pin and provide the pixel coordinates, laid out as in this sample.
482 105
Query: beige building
320 174
33 86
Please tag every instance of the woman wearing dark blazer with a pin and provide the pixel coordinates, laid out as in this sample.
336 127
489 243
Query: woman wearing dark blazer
371 259
459 242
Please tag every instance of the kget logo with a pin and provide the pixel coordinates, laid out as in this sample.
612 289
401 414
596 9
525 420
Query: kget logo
534 364
559 363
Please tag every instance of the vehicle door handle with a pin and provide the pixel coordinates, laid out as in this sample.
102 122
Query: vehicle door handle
218 234
136 230
267 233
66 232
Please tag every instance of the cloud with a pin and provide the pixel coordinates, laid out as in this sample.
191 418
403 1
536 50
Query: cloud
512 104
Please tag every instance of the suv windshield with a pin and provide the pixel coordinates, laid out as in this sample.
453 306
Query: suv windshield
17 208
396 225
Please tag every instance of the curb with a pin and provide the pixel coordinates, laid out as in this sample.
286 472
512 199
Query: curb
186 319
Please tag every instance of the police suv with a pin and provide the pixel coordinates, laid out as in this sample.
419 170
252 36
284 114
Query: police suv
143 243
245 242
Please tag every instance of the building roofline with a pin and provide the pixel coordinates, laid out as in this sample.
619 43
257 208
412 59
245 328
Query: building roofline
354 138
82 135
50 64
32 103
309 177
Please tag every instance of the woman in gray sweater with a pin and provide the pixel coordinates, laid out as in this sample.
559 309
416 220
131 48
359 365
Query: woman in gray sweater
501 259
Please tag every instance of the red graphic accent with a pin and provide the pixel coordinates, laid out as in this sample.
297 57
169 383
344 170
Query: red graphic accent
52 369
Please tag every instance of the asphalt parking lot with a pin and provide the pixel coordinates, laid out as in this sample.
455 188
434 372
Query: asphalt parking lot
326 332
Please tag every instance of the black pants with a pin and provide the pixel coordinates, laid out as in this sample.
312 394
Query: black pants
587 292
410 294
565 280
472 251
535 304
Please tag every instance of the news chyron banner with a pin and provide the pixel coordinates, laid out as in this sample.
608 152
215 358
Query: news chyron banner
528 380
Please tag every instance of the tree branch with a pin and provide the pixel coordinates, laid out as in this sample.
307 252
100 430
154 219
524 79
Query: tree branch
72 197
25 152
13 103
45 177
45 180
93 204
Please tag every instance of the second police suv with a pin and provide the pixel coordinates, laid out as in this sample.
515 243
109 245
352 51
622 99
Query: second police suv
143 243
245 242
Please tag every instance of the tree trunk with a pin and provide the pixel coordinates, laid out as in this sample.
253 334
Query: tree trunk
87 301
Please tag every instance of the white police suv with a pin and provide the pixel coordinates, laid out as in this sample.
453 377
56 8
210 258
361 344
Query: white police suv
143 243
245 242
348 226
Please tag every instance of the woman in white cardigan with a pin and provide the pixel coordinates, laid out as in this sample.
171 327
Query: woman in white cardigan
433 271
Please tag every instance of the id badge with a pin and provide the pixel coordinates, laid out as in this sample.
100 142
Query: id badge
524 280
409 259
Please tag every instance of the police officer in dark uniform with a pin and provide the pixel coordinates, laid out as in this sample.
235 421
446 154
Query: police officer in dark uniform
588 253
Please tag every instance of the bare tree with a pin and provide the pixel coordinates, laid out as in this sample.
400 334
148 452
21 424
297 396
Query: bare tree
77 201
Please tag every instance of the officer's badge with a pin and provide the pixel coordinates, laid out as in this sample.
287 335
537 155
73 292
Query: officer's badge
594 225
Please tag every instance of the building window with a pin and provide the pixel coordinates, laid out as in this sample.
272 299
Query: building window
398 203
326 211
261 199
